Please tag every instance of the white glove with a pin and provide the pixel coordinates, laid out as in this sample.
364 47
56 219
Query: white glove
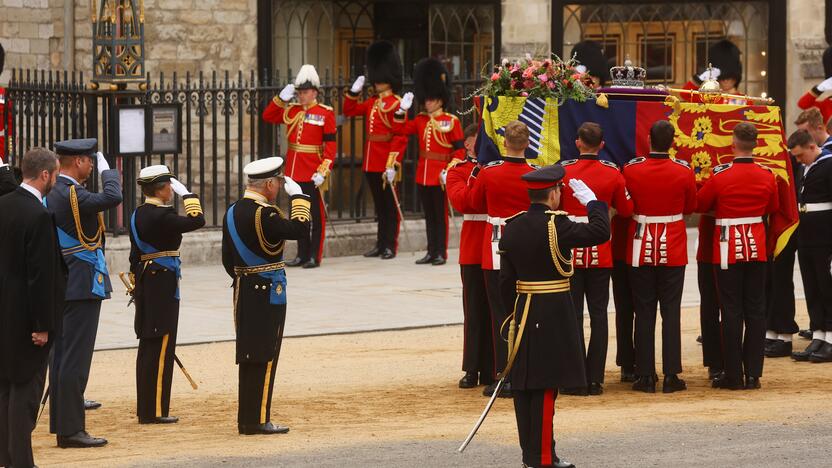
291 187
288 92
583 193
580 69
357 85
318 179
825 85
406 102
713 73
443 177
102 162
390 173
179 188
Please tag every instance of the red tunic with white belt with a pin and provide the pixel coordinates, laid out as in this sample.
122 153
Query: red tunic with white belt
810 99
663 190
605 179
5 126
498 191
310 131
739 193
474 222
440 140
382 147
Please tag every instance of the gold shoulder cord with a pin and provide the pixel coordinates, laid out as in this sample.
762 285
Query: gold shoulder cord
557 257
270 249
89 243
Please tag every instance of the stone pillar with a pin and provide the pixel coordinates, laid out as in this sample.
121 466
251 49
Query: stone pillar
805 45
526 27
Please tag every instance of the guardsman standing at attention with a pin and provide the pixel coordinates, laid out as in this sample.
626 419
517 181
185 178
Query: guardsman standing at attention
440 141
663 191
740 194
253 237
499 191
383 150
810 99
593 265
546 352
155 236
80 223
478 349
310 131
815 243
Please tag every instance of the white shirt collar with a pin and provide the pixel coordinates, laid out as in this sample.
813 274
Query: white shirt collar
32 190
70 178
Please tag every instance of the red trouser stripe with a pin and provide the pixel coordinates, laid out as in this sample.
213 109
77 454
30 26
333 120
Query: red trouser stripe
546 427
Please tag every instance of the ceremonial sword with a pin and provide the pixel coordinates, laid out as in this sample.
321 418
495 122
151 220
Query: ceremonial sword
398 206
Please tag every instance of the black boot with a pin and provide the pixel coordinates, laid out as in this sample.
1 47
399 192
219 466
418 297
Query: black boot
595 388
803 356
672 383
824 354
645 383
440 260
752 383
714 372
311 263
469 380
387 254
779 348
297 261
505 390
374 252
428 258
627 374
728 383
574 391
805 334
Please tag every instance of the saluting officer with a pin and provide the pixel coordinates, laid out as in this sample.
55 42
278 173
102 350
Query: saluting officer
593 265
815 243
478 349
383 150
310 132
80 224
663 191
546 353
155 236
740 193
254 235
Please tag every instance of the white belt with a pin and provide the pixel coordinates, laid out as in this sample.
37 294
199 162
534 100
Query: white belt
496 221
475 217
739 221
2 133
578 219
804 207
658 219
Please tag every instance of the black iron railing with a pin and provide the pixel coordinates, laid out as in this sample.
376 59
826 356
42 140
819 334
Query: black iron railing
221 131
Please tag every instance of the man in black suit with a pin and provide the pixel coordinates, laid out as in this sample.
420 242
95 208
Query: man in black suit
32 283
8 181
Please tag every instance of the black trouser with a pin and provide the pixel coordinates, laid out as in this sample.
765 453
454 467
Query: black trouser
817 285
742 299
478 349
256 385
435 206
709 316
386 212
780 283
18 415
154 376
69 367
535 412
498 316
622 295
662 287
313 246
594 285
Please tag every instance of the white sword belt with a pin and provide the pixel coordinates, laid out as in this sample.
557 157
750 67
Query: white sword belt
475 217
642 219
739 221
496 221
809 207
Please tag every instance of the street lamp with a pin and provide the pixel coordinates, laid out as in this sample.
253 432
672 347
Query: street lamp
118 42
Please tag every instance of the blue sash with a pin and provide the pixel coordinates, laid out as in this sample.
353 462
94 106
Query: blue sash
95 258
277 290
171 263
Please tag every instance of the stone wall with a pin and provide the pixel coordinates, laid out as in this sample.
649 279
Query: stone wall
180 35
526 27
804 48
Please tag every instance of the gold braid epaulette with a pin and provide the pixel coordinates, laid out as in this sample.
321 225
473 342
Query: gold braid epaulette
562 264
301 209
88 243
193 207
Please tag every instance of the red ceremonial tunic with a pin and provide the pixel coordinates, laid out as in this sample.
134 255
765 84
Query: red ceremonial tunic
810 99
499 191
739 193
663 190
440 141
619 226
310 134
382 146
474 221
605 179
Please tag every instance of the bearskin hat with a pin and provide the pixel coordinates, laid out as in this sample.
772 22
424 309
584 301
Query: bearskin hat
726 56
431 80
591 55
827 63
384 65
2 57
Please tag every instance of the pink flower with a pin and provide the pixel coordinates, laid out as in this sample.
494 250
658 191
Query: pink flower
551 85
528 84
495 77
576 76
515 68
565 82
524 94
543 77
528 73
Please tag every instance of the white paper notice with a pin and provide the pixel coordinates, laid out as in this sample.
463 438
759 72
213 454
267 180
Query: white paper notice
131 131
